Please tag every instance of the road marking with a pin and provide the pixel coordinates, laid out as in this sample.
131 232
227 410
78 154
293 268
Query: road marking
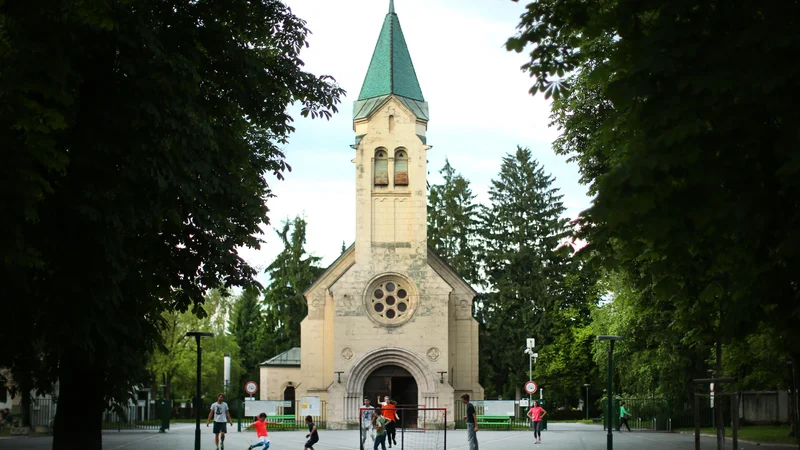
318 444
493 440
134 442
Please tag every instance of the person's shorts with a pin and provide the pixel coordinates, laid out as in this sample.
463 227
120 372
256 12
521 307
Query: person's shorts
265 440
220 427
310 443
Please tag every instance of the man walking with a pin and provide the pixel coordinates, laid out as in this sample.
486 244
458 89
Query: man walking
220 412
472 423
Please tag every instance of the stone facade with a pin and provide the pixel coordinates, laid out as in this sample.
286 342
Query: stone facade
388 300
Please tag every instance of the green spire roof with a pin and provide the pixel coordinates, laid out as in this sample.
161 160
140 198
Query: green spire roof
391 70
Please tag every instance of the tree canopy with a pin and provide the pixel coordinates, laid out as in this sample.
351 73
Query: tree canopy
691 152
136 138
452 223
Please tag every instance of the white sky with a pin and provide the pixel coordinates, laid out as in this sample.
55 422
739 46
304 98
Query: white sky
480 109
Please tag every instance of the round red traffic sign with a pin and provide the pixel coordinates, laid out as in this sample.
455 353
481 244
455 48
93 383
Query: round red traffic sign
531 387
251 387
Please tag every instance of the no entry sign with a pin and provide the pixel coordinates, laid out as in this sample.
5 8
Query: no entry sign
531 387
251 387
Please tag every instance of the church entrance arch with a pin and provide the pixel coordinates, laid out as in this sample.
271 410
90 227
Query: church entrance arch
399 385
409 379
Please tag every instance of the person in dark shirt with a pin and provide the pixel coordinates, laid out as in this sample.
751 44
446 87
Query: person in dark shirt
472 423
312 435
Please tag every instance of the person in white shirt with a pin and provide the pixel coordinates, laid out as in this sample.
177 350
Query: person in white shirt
366 422
220 412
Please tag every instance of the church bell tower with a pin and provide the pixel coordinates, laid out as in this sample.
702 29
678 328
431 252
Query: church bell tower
390 119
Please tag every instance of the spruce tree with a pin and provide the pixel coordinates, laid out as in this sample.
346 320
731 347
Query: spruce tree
291 274
452 223
521 231
248 327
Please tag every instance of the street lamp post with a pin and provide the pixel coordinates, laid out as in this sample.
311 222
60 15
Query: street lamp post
609 419
531 344
197 335
587 400
795 431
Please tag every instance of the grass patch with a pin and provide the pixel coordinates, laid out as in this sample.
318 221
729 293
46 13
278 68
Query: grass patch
757 433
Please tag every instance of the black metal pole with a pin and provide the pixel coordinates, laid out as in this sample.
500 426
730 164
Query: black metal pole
794 400
610 439
197 397
587 403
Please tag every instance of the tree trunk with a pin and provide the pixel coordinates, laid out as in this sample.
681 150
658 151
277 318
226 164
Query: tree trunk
25 388
78 423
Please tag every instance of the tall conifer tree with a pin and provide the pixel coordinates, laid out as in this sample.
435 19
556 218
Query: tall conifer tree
452 223
521 230
291 274
248 327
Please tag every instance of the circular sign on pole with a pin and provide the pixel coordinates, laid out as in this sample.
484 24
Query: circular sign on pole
251 387
531 387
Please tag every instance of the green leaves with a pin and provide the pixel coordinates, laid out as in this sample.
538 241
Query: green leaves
138 139
689 151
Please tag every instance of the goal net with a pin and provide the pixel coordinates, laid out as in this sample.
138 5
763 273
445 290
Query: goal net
413 428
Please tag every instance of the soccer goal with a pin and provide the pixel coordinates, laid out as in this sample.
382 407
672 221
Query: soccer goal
413 428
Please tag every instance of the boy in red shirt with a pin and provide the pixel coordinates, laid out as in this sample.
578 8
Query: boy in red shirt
261 431
536 413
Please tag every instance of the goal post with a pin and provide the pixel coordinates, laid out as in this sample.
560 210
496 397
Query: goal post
413 428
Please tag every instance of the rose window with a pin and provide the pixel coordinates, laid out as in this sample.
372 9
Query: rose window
389 302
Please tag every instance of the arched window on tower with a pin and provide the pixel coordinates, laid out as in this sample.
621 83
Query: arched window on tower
401 167
381 167
391 124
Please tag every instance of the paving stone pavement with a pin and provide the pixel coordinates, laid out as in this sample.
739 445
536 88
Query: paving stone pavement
559 437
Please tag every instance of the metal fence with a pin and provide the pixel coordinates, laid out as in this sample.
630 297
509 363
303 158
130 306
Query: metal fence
517 421
659 414
647 414
43 411
131 417
287 417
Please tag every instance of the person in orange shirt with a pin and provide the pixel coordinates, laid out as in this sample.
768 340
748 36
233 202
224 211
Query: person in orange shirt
261 432
390 412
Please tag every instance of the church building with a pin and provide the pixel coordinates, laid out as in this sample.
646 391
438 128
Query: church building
389 317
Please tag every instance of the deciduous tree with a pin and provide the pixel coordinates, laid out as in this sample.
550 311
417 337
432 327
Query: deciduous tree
692 154
136 137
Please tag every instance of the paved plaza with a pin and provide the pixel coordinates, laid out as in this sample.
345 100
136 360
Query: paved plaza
558 437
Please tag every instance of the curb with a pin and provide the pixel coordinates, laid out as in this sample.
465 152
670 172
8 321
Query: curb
773 444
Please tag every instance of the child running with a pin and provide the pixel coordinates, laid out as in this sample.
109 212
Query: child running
537 413
261 432
379 425
313 436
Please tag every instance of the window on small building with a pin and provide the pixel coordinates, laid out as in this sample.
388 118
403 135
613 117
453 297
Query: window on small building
381 167
401 168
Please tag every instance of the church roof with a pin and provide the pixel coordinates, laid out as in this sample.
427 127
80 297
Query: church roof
390 70
290 357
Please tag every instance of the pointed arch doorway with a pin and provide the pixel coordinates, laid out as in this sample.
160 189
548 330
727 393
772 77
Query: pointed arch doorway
400 385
